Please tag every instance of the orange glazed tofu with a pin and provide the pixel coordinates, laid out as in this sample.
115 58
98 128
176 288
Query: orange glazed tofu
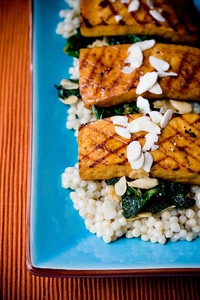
172 19
103 153
103 83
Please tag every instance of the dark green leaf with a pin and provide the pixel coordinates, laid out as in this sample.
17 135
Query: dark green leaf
132 202
131 39
104 112
75 43
154 200
112 181
63 93
182 202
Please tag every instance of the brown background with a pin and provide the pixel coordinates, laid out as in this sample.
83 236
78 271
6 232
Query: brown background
15 281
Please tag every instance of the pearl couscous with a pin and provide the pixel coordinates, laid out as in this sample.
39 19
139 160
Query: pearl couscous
92 199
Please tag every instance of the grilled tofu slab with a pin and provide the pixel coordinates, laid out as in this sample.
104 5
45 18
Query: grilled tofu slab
99 18
103 153
103 83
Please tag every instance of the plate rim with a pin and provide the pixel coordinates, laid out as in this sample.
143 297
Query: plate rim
82 273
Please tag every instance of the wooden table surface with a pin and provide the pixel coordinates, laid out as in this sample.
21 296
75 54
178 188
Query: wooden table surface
15 280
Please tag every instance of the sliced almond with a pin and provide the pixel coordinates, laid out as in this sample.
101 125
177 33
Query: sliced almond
140 173
118 18
141 215
128 70
156 15
157 104
135 57
146 82
156 89
159 64
70 100
167 105
137 164
144 183
99 43
68 84
109 210
141 124
120 186
164 74
133 151
143 105
123 132
156 116
181 106
148 161
133 6
120 120
166 118
154 147
151 138
144 45
150 4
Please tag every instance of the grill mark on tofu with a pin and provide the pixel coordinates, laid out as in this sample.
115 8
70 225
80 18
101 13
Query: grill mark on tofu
108 70
106 89
95 66
104 144
181 20
179 26
178 148
166 15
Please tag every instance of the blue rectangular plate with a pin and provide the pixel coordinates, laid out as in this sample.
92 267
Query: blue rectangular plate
58 243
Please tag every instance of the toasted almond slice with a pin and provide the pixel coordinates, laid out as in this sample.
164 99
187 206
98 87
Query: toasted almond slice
150 4
166 118
148 161
156 116
143 105
157 104
181 106
120 120
144 45
151 138
128 70
109 210
144 183
154 147
137 164
135 57
164 74
118 18
140 173
70 100
133 6
99 43
133 151
141 124
68 84
120 186
141 215
146 82
167 105
123 132
159 64
156 15
156 89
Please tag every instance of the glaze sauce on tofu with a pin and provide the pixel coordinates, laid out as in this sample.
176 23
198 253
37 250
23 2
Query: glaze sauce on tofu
103 83
103 153
177 23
